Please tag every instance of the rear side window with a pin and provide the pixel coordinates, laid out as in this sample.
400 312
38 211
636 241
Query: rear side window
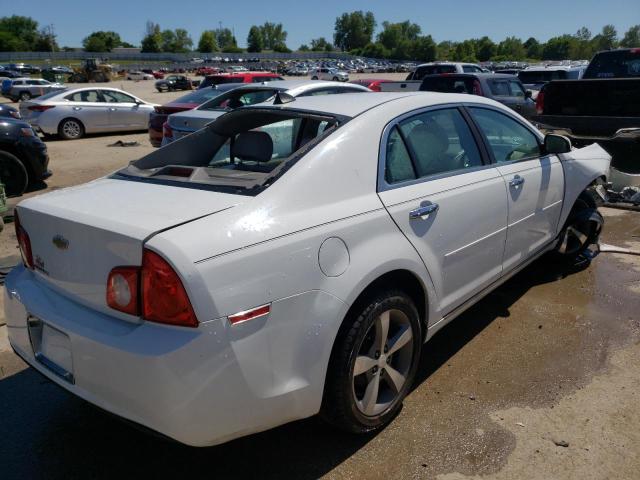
437 141
85 96
471 69
508 139
450 85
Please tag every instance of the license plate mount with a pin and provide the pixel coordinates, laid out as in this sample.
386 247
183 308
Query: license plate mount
51 348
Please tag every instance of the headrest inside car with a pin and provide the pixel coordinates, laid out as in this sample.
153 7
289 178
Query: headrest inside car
253 146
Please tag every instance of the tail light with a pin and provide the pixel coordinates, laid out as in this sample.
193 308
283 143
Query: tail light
164 299
477 88
375 86
24 242
153 291
40 108
540 102
122 289
167 131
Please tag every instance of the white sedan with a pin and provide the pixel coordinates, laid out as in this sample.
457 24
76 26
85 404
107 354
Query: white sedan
136 75
71 114
289 259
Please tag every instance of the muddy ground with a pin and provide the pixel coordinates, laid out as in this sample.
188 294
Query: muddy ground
541 379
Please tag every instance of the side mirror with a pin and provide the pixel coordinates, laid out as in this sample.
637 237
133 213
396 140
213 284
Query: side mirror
528 94
554 144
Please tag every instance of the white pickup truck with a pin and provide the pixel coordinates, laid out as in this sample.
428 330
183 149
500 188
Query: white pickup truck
414 79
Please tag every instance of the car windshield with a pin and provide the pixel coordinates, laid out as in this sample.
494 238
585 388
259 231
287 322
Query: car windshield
422 72
237 98
198 96
242 152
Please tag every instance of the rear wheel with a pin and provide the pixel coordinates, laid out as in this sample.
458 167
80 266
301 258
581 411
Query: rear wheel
71 129
314 78
25 96
13 174
335 79
373 363
582 228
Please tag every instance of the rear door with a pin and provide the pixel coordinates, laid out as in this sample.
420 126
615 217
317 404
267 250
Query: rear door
534 182
447 199
89 107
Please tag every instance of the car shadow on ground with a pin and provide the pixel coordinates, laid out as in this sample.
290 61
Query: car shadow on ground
47 433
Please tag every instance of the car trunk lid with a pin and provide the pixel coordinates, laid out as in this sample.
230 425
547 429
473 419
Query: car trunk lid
79 234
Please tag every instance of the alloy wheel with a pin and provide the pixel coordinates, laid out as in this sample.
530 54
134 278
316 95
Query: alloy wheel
583 229
72 129
383 363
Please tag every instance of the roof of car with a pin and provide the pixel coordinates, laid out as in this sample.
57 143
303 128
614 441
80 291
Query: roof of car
484 75
298 86
544 68
353 104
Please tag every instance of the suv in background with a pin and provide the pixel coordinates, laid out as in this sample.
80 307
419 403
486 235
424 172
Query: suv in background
506 89
23 89
534 78
174 82
434 68
245 77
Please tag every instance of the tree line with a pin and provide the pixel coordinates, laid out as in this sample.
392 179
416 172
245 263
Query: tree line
354 32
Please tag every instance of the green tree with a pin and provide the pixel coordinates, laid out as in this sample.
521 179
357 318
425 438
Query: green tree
512 48
374 50
631 39
46 41
152 41
255 40
424 49
321 45
559 48
207 42
303 48
274 37
464 52
607 39
583 48
20 33
485 49
393 34
226 40
183 42
101 41
533 48
354 30
446 49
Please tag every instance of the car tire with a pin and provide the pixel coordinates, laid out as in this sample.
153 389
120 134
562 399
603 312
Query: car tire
361 395
24 96
314 78
582 228
13 174
70 129
335 79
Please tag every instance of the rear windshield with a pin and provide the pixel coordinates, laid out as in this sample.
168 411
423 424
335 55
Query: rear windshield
542 76
624 64
421 72
219 80
239 97
51 94
243 152
450 84
198 96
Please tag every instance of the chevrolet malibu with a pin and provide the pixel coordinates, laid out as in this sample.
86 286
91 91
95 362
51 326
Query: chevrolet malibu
289 259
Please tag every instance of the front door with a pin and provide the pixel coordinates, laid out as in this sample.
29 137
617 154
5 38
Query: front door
447 201
124 112
534 183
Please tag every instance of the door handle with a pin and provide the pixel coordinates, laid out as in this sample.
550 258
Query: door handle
422 213
77 108
111 109
516 181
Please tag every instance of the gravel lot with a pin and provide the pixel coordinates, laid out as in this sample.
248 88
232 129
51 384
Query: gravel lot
549 359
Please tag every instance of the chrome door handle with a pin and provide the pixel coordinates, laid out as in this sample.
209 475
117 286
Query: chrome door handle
516 181
111 109
77 108
422 213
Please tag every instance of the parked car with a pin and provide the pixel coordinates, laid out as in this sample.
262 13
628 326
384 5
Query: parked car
433 68
602 107
533 78
331 74
290 259
23 68
137 75
9 111
23 156
180 124
72 113
26 88
174 82
372 84
3 205
202 71
247 77
191 100
10 74
157 74
505 89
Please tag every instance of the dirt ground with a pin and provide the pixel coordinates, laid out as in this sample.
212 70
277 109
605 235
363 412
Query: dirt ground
539 380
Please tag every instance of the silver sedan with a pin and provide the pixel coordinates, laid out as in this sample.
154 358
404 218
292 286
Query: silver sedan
73 113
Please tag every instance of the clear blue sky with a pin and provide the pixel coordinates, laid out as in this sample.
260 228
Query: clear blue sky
304 20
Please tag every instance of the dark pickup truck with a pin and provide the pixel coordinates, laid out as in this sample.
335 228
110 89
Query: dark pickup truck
602 107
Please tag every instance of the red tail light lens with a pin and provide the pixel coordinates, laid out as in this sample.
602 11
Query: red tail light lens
167 131
164 298
477 88
375 86
40 108
24 242
540 102
122 289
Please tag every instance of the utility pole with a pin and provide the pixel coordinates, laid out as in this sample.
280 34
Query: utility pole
51 36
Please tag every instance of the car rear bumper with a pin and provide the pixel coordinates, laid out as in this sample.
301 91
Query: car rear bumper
34 153
200 386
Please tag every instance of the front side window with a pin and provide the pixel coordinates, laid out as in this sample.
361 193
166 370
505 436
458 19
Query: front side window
500 88
437 141
508 139
117 97
516 88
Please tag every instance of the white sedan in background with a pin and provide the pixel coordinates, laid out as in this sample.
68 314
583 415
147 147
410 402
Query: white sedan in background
289 259
136 75
71 114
